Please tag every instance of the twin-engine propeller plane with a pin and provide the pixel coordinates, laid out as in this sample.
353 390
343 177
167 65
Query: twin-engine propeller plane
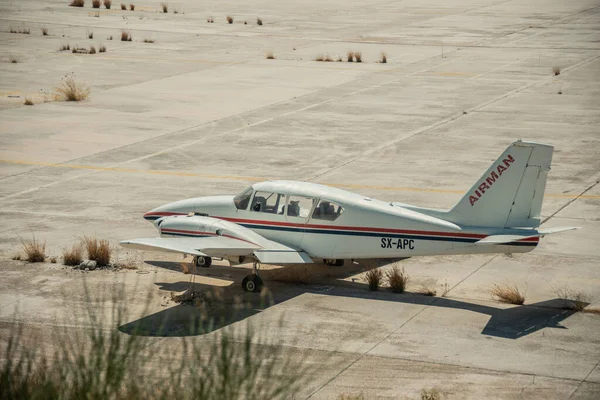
288 222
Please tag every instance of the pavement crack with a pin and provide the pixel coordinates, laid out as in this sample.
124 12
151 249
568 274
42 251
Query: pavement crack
568 203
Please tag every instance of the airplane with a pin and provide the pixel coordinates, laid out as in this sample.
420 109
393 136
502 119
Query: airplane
291 222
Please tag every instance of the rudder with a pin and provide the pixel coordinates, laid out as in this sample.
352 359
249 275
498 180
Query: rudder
510 192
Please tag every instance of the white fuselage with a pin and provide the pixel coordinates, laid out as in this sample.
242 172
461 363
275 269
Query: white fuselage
366 229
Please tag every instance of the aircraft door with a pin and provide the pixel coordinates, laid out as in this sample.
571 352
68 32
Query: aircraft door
297 214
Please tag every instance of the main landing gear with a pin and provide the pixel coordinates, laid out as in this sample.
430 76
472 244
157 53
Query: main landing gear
333 262
252 282
203 262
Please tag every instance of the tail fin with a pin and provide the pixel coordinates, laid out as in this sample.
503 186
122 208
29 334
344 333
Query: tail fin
510 192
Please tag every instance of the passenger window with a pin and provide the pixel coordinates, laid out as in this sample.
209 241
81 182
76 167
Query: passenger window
299 206
268 202
327 210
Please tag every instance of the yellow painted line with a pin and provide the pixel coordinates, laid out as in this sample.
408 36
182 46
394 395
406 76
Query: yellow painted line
256 179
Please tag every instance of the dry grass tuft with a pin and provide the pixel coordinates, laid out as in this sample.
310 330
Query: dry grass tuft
73 256
92 50
506 293
350 56
556 70
148 40
123 7
109 38
383 58
427 290
397 279
34 251
270 55
165 7
44 31
319 58
125 36
258 21
28 101
230 19
16 257
373 278
102 48
358 56
77 3
90 34
339 59
97 250
53 260
70 90
575 300
132 7
430 394
175 11
96 3
13 59
65 47
25 31
210 20
107 4
79 50
327 58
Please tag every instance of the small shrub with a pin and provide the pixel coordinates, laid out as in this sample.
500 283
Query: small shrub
358 56
350 56
73 256
16 257
77 3
90 35
427 290
44 31
96 3
430 394
102 49
123 7
53 260
556 70
506 293
270 56
373 278
92 50
383 58
125 36
258 21
34 251
65 47
28 101
230 19
148 40
320 58
165 7
397 279
575 300
97 250
70 90
132 7
13 59
107 4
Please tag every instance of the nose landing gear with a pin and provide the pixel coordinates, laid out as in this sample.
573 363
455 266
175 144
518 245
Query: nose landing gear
252 282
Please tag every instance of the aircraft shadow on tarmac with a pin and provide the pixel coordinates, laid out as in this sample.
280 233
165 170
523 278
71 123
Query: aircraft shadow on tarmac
189 320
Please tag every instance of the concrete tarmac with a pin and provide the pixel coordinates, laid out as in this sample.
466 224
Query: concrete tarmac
201 111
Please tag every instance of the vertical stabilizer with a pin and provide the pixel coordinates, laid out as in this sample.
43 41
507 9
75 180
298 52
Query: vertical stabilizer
510 192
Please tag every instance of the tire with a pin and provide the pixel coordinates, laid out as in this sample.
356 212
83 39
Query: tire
203 262
252 283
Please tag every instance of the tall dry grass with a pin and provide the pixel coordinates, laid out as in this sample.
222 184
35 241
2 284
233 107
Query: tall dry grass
70 90
397 279
373 278
34 250
507 293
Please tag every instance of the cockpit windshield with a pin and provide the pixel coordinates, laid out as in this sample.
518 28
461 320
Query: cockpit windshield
243 199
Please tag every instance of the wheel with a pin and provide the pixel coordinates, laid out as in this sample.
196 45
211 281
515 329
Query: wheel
203 262
252 283
333 262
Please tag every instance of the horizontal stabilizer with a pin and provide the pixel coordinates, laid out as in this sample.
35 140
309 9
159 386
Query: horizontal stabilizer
502 239
282 257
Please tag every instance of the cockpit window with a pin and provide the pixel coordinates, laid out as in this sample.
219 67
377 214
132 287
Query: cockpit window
299 206
268 202
327 210
241 200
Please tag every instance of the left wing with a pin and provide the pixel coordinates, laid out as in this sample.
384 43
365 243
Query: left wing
217 246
